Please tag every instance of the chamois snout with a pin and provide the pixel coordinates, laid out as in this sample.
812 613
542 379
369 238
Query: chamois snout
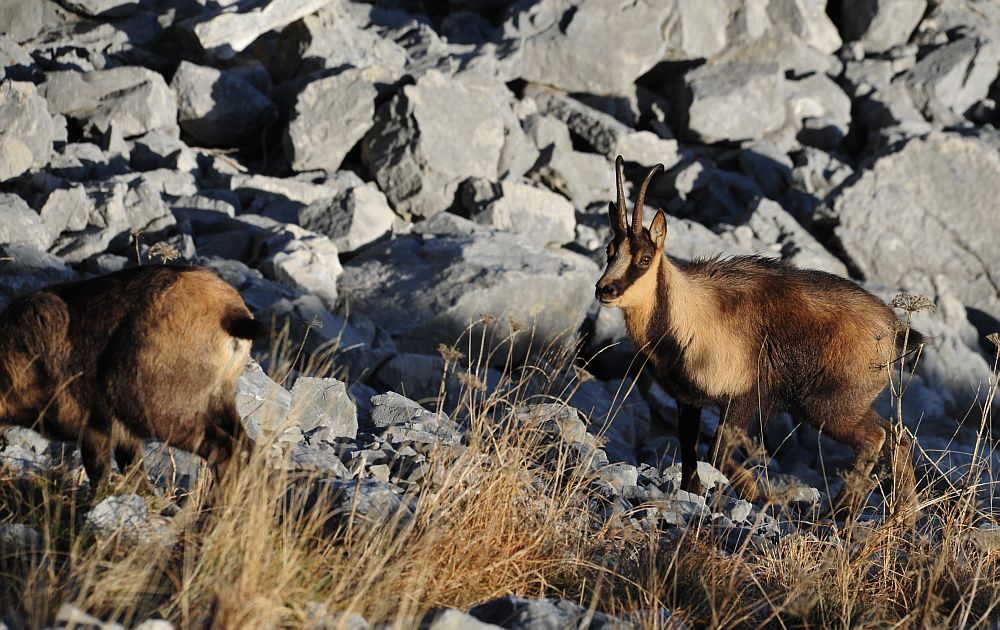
607 290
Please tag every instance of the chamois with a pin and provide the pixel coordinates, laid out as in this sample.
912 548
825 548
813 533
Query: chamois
752 335
146 352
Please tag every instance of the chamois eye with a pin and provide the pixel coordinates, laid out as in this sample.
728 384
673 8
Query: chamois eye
645 260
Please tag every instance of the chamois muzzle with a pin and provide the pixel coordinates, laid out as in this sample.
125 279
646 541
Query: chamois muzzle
606 290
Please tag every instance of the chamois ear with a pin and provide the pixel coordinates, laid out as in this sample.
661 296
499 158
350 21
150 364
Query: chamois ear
658 229
613 215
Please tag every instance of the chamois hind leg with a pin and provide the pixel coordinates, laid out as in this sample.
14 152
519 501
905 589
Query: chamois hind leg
896 454
864 432
688 427
733 424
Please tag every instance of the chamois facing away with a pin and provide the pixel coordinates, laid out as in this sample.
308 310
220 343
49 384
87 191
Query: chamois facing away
752 335
147 352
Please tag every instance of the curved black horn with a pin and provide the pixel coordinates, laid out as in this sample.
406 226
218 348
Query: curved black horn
641 199
622 208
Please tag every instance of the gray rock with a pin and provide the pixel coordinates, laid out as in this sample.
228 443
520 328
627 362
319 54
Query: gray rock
583 178
732 101
230 30
18 539
21 20
15 62
569 45
604 132
951 79
331 38
391 409
422 377
102 8
455 281
412 150
135 99
171 468
619 476
454 620
154 624
20 224
354 345
65 209
517 613
364 504
275 197
539 216
951 364
26 135
69 616
156 150
117 210
322 409
329 117
301 259
127 516
351 218
879 24
262 404
770 225
695 30
818 98
218 108
923 210
25 268
783 47
806 19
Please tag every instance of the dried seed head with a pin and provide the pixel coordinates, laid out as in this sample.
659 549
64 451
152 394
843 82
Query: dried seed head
449 353
994 338
515 325
471 381
164 251
911 303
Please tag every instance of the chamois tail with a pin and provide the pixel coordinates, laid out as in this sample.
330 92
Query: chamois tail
242 326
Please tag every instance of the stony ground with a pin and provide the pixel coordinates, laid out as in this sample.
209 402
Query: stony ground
415 194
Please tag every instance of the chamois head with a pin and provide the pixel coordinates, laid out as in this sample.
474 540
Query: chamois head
634 252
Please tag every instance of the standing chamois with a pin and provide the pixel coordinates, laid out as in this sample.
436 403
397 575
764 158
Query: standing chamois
147 352
751 335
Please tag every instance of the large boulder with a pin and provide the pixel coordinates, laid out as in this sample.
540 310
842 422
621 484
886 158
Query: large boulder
951 79
236 25
27 130
451 281
732 101
923 210
134 99
576 45
329 117
355 215
538 215
218 108
333 38
431 137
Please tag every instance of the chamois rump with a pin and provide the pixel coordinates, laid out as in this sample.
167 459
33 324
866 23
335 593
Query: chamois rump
752 335
147 352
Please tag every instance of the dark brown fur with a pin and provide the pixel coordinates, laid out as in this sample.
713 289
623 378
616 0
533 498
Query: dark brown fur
149 352
752 335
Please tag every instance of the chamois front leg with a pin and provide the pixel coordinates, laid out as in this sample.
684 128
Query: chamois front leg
688 427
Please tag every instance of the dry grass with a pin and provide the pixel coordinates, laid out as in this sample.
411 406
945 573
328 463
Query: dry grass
509 513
